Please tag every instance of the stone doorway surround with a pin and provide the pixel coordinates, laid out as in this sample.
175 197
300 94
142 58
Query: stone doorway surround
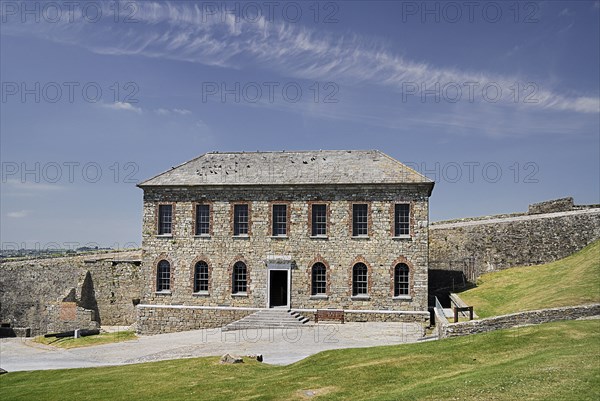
279 263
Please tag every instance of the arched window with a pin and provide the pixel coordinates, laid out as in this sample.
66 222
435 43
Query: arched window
360 279
319 279
401 279
201 277
163 276
240 279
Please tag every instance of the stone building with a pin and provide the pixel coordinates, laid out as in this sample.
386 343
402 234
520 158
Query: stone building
228 234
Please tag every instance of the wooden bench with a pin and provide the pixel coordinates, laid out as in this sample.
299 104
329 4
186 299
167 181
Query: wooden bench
329 315
460 306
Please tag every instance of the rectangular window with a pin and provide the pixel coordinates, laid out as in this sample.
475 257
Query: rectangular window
202 219
319 220
402 219
280 220
360 220
240 219
165 219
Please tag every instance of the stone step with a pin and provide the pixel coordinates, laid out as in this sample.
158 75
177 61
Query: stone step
268 318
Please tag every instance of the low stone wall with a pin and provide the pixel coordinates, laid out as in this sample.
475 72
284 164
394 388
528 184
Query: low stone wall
67 316
352 315
446 329
158 319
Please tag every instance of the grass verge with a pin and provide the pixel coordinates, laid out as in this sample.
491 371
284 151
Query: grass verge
103 338
574 280
546 362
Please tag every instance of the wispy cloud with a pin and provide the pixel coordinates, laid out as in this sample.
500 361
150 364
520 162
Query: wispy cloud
14 187
166 112
182 112
18 214
122 106
181 31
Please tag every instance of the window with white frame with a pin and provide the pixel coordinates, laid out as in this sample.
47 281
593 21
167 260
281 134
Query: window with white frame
163 276
201 276
165 219
360 279
401 280
401 219
240 279
319 279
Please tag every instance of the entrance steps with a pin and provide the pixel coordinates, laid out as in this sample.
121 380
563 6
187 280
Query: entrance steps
268 318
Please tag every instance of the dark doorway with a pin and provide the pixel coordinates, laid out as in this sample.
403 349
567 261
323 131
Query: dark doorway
278 288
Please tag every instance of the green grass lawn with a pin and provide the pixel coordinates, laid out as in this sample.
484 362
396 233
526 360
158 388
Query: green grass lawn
103 338
555 361
573 280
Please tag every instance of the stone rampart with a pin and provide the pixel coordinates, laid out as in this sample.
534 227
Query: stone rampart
33 291
549 231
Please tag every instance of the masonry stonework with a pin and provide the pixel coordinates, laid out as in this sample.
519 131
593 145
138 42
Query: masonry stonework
37 293
548 231
339 250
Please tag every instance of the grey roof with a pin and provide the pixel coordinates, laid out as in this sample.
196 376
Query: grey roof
289 168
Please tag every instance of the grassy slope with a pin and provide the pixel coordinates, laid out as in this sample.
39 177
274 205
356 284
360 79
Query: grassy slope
573 280
103 338
545 362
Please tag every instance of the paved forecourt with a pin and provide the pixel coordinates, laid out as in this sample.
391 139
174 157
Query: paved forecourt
278 346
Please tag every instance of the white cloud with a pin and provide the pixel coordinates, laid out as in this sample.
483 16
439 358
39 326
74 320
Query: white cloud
18 215
181 31
122 106
162 112
166 112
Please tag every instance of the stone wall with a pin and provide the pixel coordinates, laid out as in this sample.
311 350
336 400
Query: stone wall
478 245
158 319
376 316
446 329
31 291
67 316
339 251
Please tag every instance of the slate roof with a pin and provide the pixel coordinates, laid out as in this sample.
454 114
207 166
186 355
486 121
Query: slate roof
289 168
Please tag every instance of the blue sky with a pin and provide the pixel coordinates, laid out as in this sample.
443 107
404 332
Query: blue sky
497 101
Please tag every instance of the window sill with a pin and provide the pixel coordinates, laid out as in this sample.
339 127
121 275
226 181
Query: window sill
241 236
360 298
162 292
203 236
201 294
402 298
323 237
279 237
365 237
400 237
164 236
319 297
240 294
